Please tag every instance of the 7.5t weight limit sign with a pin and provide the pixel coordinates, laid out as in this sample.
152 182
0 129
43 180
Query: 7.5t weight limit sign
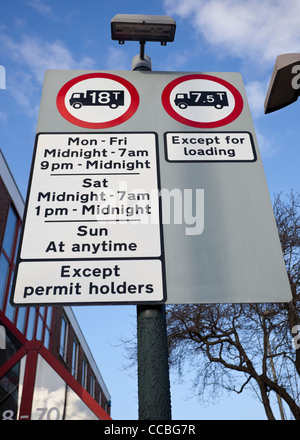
202 101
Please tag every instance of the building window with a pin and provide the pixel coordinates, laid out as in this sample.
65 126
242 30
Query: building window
4 269
63 339
21 322
84 374
92 386
74 369
7 261
10 231
40 323
47 325
32 322
30 330
44 315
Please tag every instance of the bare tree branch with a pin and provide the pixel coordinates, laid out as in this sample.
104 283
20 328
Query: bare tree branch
235 346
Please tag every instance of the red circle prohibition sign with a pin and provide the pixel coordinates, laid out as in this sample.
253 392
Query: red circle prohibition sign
238 107
61 105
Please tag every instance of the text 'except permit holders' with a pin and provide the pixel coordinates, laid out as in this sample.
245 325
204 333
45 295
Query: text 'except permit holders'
89 282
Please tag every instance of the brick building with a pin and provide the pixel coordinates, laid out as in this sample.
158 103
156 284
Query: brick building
46 368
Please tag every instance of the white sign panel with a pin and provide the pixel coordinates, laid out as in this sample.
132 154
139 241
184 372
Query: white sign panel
93 196
89 282
147 187
210 147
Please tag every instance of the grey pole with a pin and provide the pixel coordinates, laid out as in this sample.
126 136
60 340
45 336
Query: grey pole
152 348
153 368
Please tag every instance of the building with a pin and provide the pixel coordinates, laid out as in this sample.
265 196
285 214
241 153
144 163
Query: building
46 368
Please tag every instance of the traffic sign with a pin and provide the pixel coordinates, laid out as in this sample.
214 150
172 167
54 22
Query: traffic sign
95 197
171 205
202 101
97 100
210 147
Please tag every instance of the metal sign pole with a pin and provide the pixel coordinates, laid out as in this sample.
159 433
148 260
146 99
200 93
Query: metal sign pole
153 368
152 348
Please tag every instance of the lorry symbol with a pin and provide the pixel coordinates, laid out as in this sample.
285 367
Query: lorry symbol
111 98
200 98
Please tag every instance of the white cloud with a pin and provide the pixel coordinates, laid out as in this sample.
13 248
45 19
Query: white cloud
253 30
117 59
3 117
41 7
267 146
37 55
256 93
176 61
30 58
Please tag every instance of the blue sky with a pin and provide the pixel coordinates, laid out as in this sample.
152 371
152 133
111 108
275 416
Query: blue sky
211 36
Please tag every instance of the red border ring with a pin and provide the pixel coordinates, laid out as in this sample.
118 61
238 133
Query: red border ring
165 97
60 101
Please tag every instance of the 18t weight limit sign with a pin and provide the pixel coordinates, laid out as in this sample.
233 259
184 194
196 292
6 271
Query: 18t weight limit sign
97 100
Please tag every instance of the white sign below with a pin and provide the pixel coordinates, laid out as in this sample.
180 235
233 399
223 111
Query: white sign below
89 282
92 197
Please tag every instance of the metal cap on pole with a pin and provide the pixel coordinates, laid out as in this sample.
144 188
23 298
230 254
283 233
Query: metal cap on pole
138 63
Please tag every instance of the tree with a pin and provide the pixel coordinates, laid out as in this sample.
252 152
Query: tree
239 346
